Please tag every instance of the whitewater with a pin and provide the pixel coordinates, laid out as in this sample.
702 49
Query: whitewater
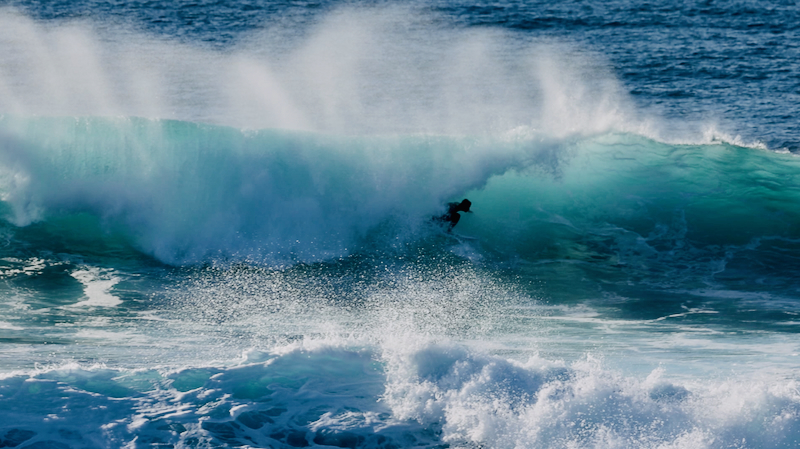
216 225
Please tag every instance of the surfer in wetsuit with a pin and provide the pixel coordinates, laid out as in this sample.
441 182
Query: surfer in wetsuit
452 216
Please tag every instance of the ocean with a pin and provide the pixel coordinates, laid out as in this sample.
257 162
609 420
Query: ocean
217 224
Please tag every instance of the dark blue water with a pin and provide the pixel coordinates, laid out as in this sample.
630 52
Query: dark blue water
215 224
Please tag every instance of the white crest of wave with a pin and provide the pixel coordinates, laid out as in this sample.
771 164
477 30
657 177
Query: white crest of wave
491 401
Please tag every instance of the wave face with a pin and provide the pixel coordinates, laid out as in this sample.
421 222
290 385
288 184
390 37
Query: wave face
189 193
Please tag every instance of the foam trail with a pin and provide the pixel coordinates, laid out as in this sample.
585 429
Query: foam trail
97 285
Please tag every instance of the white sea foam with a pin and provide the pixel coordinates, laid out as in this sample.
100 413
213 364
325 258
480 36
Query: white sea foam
422 393
97 284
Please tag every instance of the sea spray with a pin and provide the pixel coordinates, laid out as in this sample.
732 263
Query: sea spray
358 70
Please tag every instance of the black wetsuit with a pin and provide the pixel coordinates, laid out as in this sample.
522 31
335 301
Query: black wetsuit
452 216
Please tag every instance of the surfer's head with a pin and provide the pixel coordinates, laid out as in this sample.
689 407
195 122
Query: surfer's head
465 205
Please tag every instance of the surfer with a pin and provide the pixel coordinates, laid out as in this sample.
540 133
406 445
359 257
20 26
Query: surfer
452 216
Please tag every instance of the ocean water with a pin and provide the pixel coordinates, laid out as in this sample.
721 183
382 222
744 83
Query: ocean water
216 224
